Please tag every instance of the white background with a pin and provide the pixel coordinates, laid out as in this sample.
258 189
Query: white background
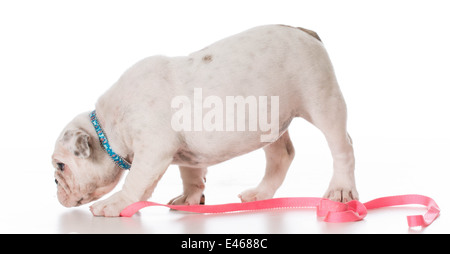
392 61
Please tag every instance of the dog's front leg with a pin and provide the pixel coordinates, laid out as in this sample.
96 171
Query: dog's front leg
139 184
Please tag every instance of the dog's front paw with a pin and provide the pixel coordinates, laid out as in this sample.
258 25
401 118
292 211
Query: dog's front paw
256 194
198 199
112 206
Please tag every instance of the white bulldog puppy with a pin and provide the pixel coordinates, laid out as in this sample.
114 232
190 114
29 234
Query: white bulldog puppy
177 110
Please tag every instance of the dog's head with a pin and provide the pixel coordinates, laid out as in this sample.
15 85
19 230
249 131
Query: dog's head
83 171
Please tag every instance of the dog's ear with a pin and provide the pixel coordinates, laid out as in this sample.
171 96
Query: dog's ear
77 142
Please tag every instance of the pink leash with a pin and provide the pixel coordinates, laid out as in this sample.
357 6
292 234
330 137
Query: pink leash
331 211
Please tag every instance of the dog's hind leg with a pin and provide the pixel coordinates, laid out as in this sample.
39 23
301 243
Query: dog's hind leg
330 116
279 156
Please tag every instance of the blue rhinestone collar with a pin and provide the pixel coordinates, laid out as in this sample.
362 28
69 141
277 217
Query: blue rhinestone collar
121 162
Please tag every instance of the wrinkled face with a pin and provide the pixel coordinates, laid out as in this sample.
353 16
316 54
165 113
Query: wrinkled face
83 171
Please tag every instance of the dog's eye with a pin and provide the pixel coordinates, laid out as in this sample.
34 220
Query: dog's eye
60 166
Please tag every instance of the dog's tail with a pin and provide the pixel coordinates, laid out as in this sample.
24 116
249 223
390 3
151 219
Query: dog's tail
310 32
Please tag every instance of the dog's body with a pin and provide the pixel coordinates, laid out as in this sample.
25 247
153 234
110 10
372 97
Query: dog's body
136 115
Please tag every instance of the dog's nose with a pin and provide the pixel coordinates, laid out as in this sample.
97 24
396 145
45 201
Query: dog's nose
56 181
